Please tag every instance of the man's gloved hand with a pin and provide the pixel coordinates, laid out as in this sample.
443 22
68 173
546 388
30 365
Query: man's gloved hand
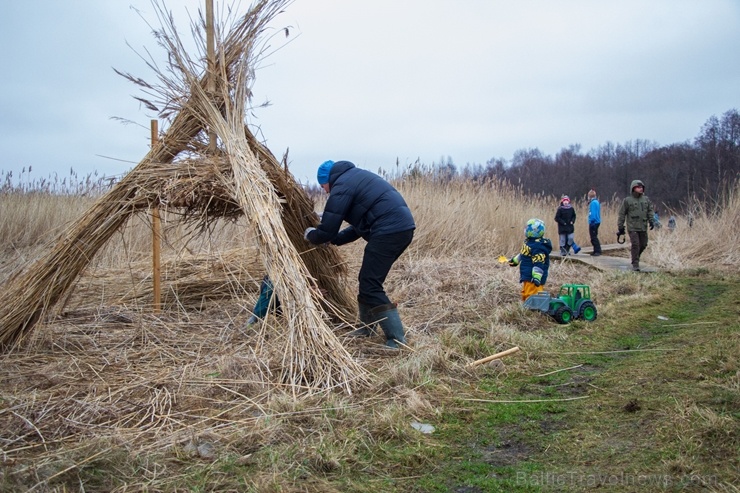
514 261
651 224
305 233
536 282
620 231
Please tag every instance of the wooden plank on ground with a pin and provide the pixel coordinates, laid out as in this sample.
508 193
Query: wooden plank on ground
604 262
611 247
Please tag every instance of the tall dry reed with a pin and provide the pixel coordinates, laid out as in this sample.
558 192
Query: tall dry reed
706 238
456 219
463 218
35 217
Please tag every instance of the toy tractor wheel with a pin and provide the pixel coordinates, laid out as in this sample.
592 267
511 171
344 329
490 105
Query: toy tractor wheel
587 311
563 315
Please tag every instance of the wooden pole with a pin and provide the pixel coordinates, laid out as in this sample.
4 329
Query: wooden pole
156 238
494 356
211 58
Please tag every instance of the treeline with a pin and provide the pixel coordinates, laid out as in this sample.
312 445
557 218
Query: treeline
674 175
701 171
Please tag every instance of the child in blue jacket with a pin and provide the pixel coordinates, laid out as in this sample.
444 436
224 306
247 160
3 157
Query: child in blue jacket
533 259
265 302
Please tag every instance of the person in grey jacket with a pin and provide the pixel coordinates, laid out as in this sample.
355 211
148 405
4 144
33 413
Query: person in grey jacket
637 211
376 212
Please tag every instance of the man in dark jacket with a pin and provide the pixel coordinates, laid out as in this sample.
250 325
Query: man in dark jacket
377 213
637 211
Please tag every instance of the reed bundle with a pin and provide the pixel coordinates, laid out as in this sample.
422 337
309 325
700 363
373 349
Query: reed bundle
197 191
189 283
312 357
253 183
31 293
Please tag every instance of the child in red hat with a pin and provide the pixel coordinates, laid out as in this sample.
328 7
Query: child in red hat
566 219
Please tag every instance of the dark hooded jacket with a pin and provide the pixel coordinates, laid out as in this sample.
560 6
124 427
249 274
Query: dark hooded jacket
366 201
565 216
534 256
636 210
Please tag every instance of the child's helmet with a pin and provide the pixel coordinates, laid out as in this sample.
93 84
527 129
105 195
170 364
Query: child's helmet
535 228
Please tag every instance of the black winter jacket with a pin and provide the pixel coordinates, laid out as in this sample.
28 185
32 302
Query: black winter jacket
566 218
366 201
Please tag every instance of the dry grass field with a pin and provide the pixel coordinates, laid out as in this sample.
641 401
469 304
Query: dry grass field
110 395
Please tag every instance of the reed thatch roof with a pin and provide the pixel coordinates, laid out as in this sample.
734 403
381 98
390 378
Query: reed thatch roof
238 176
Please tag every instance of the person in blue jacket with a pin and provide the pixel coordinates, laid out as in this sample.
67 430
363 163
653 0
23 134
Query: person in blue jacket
266 301
594 221
376 212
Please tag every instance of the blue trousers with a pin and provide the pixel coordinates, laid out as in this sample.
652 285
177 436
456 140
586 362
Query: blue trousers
567 240
265 300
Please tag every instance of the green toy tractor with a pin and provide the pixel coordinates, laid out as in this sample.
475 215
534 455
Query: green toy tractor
572 302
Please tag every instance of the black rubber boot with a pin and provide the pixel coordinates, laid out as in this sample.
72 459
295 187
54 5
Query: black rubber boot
367 320
389 320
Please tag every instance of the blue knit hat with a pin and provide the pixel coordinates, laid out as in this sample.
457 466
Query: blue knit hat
323 174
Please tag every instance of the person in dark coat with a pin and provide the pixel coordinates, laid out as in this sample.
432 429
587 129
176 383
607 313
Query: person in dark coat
637 212
565 216
377 213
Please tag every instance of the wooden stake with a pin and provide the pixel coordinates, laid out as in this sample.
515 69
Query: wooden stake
211 59
494 356
156 238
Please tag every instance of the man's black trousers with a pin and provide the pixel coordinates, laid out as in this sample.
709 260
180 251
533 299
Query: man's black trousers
380 254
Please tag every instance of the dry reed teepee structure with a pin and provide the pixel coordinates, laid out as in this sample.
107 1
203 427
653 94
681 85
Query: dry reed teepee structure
237 176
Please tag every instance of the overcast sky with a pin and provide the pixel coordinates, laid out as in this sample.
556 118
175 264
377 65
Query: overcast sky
373 81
